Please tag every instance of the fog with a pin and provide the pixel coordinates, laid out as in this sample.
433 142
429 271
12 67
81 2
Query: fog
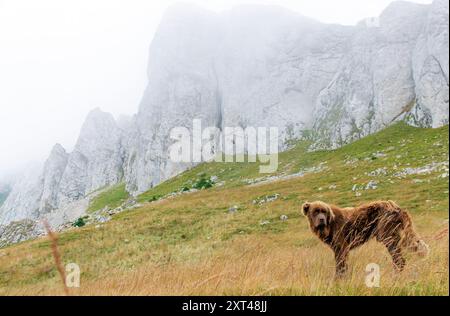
60 59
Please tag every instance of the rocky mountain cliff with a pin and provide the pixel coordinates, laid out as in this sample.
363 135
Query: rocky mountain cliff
252 66
396 70
4 192
65 179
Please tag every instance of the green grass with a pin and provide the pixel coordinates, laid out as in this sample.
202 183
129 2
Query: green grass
167 245
404 146
112 197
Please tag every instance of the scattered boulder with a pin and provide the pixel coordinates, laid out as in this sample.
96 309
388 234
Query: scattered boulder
378 172
266 199
379 154
427 169
129 203
316 169
351 161
372 185
233 209
102 219
214 179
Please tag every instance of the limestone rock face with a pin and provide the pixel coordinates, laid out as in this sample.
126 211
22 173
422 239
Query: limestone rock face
24 199
253 66
59 189
264 66
272 65
389 73
5 189
96 161
182 86
431 69
53 171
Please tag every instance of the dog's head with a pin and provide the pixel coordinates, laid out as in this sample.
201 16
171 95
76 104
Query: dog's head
412 243
320 216
421 248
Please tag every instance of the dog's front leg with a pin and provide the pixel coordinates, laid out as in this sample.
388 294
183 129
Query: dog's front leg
341 256
397 257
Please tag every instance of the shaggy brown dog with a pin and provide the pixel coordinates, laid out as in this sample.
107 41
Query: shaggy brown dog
343 229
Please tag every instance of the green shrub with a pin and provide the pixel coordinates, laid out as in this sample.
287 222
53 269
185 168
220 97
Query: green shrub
154 198
203 183
79 222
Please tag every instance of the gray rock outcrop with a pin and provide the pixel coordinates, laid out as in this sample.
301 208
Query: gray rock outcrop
59 191
395 70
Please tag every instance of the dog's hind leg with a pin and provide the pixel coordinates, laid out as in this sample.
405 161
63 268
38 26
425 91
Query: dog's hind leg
389 232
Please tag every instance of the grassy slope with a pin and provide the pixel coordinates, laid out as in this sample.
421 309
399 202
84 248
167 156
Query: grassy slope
190 244
112 197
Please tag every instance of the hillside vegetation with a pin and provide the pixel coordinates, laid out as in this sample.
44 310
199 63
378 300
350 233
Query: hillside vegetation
245 235
111 198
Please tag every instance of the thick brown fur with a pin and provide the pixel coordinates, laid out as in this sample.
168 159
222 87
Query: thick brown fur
344 229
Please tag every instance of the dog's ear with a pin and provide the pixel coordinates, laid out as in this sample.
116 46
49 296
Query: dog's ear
305 208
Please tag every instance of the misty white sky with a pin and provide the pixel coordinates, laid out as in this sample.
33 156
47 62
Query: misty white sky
59 59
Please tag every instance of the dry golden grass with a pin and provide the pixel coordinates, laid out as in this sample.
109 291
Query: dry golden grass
263 266
285 259
191 244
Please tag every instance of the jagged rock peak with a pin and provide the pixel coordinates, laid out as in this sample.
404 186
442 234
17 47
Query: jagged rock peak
58 149
97 124
96 160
